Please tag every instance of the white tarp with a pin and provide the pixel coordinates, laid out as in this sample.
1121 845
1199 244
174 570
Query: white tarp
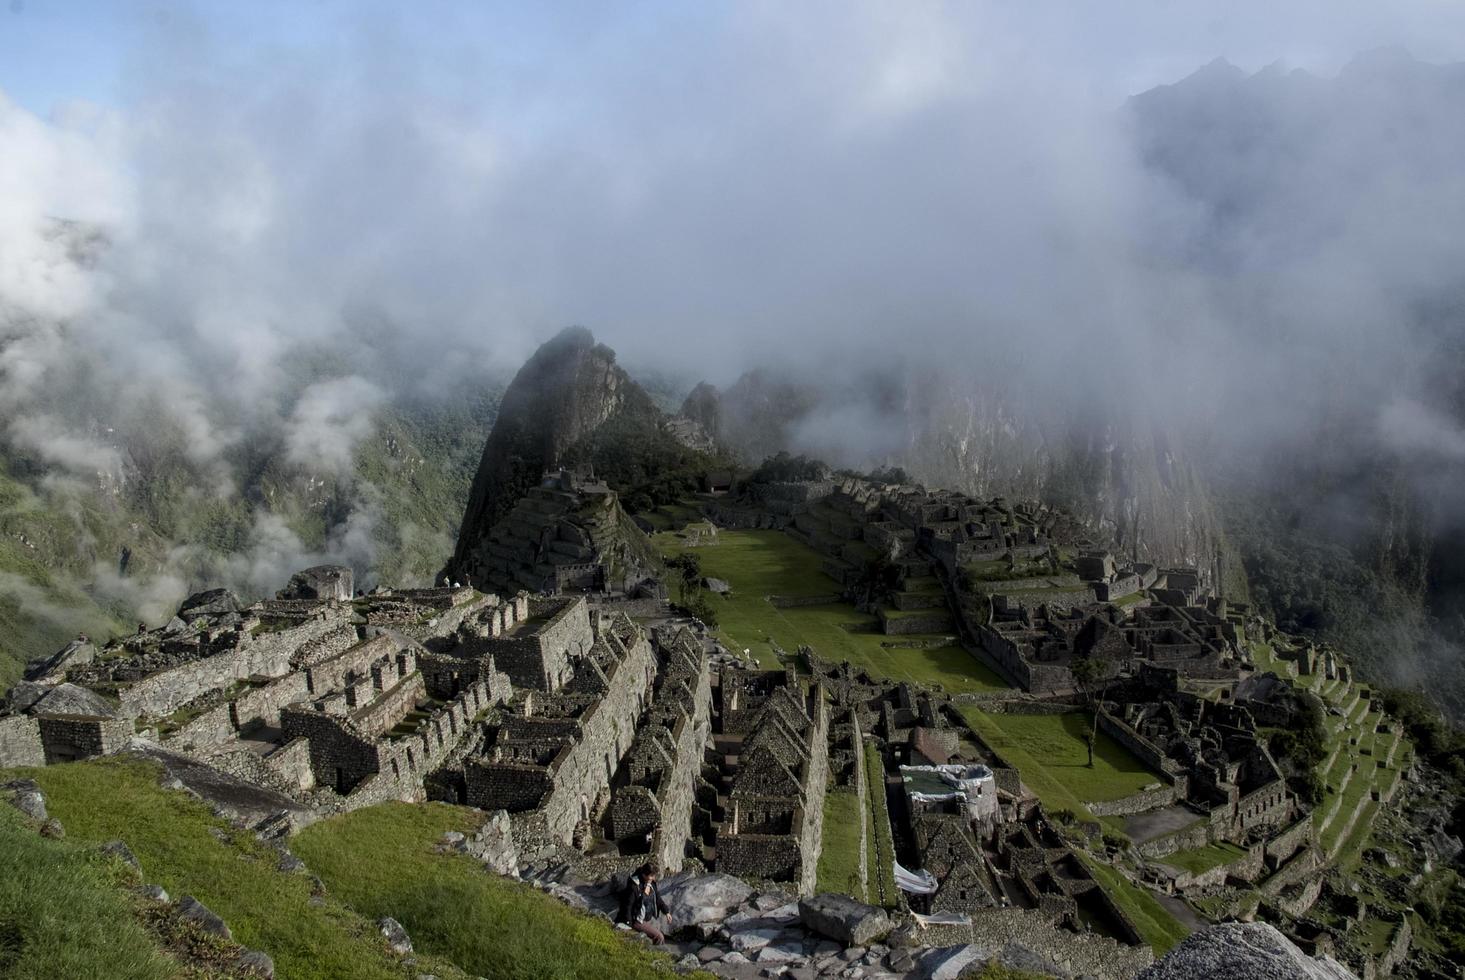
943 919
915 882
975 785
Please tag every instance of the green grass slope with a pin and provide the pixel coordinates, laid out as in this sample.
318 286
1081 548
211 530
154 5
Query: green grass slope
463 920
188 851
381 861
64 914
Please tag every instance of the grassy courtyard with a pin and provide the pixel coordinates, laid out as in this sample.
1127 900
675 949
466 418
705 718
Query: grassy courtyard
1050 753
759 564
1200 859
839 852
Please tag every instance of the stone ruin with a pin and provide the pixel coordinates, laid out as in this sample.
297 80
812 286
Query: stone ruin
569 535
598 739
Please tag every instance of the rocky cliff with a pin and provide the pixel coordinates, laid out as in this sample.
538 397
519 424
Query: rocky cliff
572 404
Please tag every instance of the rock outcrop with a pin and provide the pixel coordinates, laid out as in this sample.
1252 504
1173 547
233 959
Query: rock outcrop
570 388
1253 950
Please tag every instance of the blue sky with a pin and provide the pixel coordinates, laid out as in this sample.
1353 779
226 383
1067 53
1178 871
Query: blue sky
111 52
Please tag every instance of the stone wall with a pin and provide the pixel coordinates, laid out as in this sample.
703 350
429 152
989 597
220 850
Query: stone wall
1161 794
538 655
1247 867
581 771
391 707
794 601
353 662
1267 806
66 738
1290 840
286 769
1197 834
1084 954
264 703
934 621
774 857
676 795
264 655
20 742
214 727
1144 750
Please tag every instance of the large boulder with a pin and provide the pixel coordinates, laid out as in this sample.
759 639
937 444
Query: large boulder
53 668
1253 950
214 602
320 582
23 696
704 898
844 920
70 699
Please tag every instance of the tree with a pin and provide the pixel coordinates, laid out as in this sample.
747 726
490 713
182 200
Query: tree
689 579
1089 673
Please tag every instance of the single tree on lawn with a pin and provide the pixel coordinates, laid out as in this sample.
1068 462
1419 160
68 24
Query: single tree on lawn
689 582
1089 673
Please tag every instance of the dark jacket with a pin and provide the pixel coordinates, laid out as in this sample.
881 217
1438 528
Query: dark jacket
636 906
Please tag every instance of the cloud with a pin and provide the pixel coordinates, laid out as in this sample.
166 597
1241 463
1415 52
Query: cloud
329 421
1412 428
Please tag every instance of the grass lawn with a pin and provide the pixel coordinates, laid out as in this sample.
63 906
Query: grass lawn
1199 859
758 564
1049 752
839 852
63 913
1155 924
451 907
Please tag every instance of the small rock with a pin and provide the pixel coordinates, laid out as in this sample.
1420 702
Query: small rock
256 962
709 953
689 962
395 935
772 900
154 892
779 953
852 953
751 939
734 957
901 961
52 828
199 914
454 837
290 864
317 887
123 853
28 799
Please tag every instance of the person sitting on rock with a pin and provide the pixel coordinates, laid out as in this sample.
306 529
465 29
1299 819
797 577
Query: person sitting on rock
641 904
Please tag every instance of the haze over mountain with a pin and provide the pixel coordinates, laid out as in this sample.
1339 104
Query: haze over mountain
255 319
